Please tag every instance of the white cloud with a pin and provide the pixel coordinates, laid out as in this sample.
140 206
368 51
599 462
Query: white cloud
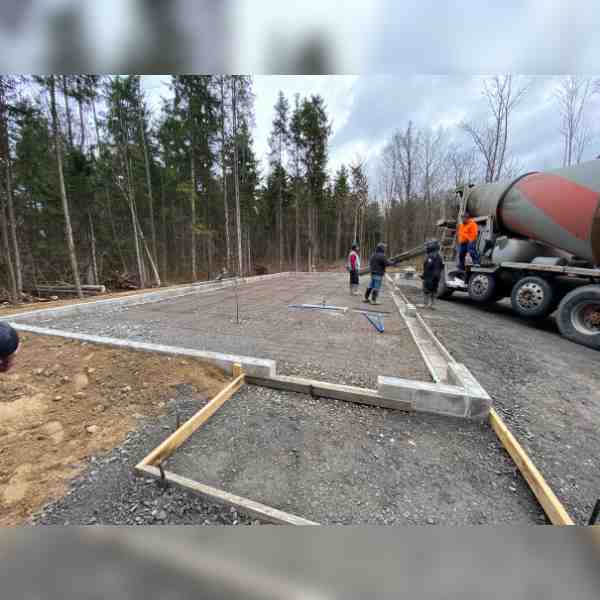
366 110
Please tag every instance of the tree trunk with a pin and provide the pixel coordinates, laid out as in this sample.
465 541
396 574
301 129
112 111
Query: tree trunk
148 184
67 110
310 237
148 253
297 247
163 218
13 223
280 222
136 242
96 126
338 235
63 190
236 179
9 263
224 161
193 213
93 248
116 238
248 252
81 122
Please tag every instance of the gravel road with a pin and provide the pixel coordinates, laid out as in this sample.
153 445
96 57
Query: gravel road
546 388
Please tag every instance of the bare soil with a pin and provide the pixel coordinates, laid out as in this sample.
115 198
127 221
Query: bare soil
66 401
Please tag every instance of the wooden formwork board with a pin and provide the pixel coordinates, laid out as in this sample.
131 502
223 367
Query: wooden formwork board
164 450
552 506
151 465
245 505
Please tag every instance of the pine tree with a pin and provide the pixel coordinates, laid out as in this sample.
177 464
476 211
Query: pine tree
278 143
340 193
51 82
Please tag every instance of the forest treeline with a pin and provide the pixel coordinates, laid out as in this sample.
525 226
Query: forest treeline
98 188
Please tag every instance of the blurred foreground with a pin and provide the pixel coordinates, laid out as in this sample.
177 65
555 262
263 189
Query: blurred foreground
285 563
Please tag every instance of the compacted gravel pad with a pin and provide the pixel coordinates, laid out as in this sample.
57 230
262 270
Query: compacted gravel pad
319 344
340 463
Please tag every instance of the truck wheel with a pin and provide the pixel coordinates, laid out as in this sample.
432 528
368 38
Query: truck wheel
482 288
578 316
533 297
444 291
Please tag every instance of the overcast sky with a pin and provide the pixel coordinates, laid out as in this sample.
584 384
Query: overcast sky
366 110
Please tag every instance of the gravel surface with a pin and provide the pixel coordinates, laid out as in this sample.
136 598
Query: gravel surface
109 493
341 463
328 461
545 387
323 345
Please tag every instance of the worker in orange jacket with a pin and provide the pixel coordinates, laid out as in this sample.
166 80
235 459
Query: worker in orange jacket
467 241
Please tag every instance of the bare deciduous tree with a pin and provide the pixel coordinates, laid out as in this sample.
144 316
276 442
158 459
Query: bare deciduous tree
573 94
463 164
491 138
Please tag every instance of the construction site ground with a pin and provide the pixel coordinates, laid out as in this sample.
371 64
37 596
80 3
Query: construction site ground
546 388
66 401
335 461
323 345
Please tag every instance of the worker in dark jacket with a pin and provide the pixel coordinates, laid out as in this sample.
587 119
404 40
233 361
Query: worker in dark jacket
9 344
377 265
433 268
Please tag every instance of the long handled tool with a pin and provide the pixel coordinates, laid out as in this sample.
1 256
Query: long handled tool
375 320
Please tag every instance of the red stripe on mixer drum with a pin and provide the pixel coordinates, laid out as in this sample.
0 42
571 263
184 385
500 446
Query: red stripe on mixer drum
548 193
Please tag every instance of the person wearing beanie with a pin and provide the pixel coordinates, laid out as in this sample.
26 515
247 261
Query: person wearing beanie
9 344
432 272
353 266
377 264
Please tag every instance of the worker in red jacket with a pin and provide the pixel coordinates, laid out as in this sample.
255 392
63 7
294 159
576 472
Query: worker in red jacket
9 344
353 267
467 241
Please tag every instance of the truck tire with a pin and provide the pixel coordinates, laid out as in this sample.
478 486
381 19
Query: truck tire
444 292
578 316
482 288
533 297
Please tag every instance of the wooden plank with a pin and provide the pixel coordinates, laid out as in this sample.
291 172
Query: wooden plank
249 507
550 503
323 389
183 433
237 370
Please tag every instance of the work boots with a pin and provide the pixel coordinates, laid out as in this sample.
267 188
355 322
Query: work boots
367 294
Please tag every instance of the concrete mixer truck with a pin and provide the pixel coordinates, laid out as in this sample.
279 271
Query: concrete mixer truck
539 239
